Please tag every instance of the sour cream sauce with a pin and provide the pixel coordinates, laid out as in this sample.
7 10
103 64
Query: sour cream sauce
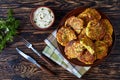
43 17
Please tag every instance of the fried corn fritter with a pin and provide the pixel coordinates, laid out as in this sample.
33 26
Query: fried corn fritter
108 39
82 34
86 57
73 49
64 35
95 30
75 23
88 44
107 24
69 52
89 14
101 49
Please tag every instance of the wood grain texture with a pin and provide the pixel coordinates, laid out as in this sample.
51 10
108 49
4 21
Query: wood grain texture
15 67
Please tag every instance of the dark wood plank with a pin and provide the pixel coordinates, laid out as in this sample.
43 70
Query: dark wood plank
15 67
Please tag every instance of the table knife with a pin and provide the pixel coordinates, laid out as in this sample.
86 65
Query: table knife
34 62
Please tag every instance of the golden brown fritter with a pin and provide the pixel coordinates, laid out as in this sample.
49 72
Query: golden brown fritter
82 34
108 39
64 35
89 14
88 44
101 49
86 57
95 30
107 24
75 23
73 49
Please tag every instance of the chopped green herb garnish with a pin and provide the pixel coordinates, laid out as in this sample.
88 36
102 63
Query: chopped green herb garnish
7 29
42 8
34 21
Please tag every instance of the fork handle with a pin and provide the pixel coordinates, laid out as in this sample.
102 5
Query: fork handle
34 50
44 58
44 68
47 60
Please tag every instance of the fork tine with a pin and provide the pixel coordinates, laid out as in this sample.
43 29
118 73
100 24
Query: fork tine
26 42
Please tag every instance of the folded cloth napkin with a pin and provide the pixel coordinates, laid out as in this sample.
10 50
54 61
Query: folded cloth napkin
52 52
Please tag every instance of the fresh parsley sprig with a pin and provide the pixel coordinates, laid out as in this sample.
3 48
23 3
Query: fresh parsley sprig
8 28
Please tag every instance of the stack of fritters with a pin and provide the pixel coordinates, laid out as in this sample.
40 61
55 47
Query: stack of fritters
86 36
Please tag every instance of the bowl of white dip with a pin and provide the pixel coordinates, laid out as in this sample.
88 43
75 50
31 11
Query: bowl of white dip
42 17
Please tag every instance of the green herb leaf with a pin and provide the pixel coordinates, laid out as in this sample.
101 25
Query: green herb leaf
8 29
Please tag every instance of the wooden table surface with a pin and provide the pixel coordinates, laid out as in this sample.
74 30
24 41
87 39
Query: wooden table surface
15 67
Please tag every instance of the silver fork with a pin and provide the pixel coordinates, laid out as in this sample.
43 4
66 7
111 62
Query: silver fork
29 45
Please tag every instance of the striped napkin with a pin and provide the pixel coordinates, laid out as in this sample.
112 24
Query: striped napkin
52 52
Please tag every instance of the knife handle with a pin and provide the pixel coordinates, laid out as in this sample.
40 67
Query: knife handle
47 60
44 68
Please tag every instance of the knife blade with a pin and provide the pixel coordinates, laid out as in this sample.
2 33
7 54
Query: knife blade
27 57
34 62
